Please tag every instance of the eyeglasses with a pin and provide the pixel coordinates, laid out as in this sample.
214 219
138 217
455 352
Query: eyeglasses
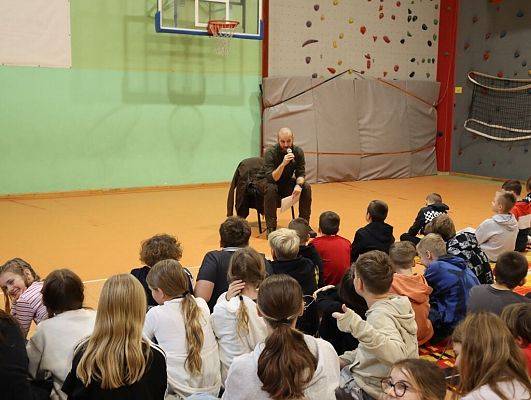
399 387
308 301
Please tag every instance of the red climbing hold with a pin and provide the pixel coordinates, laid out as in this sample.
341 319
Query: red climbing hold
475 19
398 4
385 74
368 56
500 74
332 70
393 17
386 39
380 8
363 29
396 68
487 35
381 15
374 38
486 55
368 64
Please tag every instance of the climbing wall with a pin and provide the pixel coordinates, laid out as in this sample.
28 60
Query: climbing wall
493 39
380 38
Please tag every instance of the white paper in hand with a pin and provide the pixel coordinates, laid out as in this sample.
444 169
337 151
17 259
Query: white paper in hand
289 201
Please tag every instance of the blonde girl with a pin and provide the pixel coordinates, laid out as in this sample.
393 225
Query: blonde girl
116 362
235 320
22 292
181 326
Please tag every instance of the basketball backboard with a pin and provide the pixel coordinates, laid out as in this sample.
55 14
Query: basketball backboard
190 17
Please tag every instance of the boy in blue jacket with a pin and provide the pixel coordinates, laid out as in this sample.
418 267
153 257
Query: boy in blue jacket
451 281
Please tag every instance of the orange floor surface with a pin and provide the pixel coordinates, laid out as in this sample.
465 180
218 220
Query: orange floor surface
100 235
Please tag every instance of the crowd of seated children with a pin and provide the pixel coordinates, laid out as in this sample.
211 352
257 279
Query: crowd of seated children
521 211
415 379
333 249
284 245
490 364
451 281
288 364
388 335
412 285
330 299
462 244
517 317
510 271
308 250
181 326
376 235
497 235
153 250
51 348
433 208
116 361
235 320
22 293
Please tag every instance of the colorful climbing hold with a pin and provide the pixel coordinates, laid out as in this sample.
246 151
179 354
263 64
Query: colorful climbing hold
381 15
503 34
363 29
516 54
424 27
412 74
409 11
487 35
374 38
341 35
467 46
520 14
322 17
402 41
429 60
413 59
368 64
309 41
393 17
316 8
385 74
396 67
308 24
500 74
428 74
434 37
430 43
415 18
423 60
433 60
475 19
486 55
367 56
308 60
386 39
332 70
409 34
398 4
335 2
524 63
380 8
334 44
435 21
339 62
351 20
314 75
409 18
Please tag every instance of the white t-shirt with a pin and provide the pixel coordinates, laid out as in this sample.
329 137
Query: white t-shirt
166 324
225 324
51 348
513 390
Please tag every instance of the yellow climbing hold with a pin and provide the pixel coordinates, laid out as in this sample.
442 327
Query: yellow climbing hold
322 17
341 35
334 44
339 62
351 20
336 2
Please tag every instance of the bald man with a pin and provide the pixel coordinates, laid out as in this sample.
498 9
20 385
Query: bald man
283 174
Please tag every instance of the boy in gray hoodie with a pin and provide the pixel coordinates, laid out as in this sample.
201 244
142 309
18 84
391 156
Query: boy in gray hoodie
388 335
498 234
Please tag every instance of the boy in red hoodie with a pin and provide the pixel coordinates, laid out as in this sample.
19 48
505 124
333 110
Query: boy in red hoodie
521 211
414 286
518 319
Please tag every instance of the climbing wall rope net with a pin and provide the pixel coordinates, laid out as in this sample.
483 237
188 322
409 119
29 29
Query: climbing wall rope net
500 108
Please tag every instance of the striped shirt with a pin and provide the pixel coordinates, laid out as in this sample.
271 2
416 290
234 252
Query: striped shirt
29 307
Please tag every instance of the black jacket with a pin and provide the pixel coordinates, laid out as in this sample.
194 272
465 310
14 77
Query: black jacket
247 195
373 236
310 252
303 271
426 215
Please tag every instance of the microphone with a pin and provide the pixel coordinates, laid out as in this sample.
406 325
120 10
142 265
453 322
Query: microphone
289 151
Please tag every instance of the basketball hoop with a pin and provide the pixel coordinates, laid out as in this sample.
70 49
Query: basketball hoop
222 31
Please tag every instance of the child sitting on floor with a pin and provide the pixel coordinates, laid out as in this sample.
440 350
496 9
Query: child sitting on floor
414 286
521 211
434 207
303 229
518 319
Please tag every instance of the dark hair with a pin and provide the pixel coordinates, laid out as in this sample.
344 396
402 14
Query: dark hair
286 364
160 247
62 291
427 378
329 223
4 316
402 255
234 232
17 266
302 227
375 270
528 184
348 295
378 210
435 198
507 201
511 268
517 317
512 185
443 226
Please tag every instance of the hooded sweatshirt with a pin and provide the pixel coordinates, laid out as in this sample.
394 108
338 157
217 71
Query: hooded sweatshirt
522 213
497 235
425 216
388 335
373 236
417 290
451 281
243 382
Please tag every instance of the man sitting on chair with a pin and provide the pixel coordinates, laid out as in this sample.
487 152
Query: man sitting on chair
282 162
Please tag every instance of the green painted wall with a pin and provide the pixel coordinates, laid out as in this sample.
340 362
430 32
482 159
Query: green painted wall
136 109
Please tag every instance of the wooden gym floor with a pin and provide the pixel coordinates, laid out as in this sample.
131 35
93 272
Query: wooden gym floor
98 235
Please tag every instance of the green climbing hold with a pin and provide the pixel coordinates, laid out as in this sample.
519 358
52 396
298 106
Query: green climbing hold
409 34
434 37
435 21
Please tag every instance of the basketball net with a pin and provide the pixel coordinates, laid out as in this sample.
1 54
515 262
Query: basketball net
222 31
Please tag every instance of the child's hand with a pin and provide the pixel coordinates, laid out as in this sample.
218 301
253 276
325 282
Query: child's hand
323 289
344 319
234 289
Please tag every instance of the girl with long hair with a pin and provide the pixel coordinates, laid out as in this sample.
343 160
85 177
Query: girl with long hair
490 363
181 326
51 348
288 364
235 320
414 379
22 293
116 362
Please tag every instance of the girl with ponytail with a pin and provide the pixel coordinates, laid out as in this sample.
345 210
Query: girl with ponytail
288 364
235 320
181 326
